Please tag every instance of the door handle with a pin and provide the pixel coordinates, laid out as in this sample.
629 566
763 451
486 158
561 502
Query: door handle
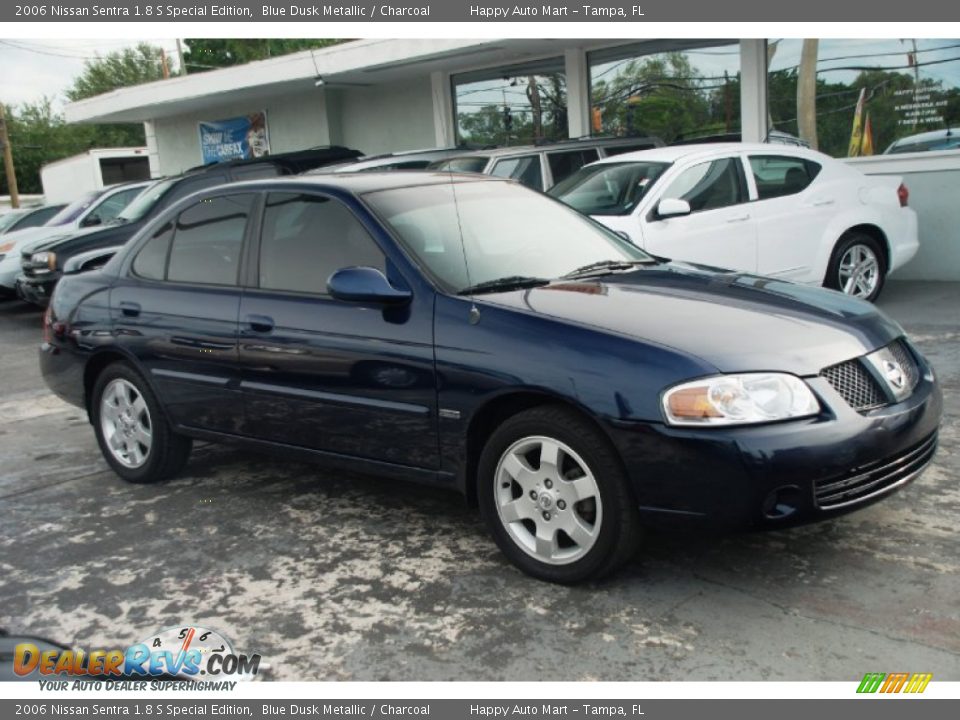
260 323
739 218
130 309
821 203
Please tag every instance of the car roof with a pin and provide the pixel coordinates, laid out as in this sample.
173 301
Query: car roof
365 182
674 153
572 144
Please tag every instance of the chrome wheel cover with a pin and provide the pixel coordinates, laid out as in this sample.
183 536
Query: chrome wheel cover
125 423
859 271
548 500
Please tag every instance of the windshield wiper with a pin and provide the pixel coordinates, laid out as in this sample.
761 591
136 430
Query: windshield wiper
604 267
513 282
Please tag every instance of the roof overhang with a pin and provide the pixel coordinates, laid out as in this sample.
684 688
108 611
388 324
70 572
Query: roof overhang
359 63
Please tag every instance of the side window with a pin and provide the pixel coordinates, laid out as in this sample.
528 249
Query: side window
779 175
709 185
151 261
526 169
307 238
564 164
610 150
208 240
113 205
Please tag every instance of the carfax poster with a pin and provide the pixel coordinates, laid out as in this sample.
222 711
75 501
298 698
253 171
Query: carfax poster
239 138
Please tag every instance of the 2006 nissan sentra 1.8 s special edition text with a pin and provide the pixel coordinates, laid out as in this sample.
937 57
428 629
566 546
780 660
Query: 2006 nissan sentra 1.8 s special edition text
471 333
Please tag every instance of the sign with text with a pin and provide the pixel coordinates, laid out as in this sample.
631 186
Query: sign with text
239 138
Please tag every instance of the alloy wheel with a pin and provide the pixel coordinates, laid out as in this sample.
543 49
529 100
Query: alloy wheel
859 271
125 423
548 500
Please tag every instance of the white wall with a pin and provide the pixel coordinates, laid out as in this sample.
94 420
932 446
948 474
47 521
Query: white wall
933 179
384 118
295 122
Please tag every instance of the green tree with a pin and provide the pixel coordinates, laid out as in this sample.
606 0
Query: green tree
208 54
122 68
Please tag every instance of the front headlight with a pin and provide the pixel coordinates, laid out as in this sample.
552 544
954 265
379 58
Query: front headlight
44 259
739 400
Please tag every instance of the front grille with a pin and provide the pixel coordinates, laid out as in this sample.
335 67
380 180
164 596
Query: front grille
855 385
903 356
864 482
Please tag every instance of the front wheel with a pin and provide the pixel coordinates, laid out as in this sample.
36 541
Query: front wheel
856 267
134 436
555 497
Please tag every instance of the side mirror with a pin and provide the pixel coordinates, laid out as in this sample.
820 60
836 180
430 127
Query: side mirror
673 207
365 285
91 221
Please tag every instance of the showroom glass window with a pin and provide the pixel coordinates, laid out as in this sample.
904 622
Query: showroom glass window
674 90
306 238
516 105
866 97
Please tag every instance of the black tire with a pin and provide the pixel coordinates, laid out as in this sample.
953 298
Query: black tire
619 528
168 451
846 242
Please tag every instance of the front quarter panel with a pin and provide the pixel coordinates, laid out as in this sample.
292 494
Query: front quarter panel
610 377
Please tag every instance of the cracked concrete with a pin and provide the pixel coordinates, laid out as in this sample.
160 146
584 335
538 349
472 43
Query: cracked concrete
331 576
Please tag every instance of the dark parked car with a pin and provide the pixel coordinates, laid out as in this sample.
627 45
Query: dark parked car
43 262
467 332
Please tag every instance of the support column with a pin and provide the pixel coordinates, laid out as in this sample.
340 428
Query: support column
443 121
578 92
153 148
753 90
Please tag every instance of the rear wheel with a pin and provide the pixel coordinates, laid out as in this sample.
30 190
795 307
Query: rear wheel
134 436
555 497
856 266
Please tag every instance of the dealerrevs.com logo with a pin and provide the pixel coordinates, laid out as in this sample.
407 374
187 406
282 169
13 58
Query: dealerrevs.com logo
185 653
895 682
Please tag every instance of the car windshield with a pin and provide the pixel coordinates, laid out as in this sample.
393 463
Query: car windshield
461 164
504 230
72 211
608 188
8 219
146 200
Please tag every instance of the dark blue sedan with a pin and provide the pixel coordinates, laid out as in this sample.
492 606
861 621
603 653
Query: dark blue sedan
466 332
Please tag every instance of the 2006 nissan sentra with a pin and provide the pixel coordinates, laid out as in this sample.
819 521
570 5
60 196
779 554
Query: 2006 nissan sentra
470 333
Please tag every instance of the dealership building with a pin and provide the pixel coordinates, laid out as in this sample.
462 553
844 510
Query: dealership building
388 95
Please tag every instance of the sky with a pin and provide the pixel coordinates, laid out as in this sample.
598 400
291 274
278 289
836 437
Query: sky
37 68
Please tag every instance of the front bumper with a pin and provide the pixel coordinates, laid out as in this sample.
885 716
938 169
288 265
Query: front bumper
786 473
36 290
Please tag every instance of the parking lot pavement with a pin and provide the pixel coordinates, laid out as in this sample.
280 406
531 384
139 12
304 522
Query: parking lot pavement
331 576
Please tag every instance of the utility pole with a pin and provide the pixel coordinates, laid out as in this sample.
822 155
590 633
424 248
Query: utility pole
8 161
807 93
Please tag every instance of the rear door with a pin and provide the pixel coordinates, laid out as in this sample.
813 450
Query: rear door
719 231
343 377
177 311
791 214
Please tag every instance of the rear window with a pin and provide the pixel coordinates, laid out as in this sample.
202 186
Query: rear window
781 175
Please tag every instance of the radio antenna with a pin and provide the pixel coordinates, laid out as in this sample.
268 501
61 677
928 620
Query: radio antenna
474 311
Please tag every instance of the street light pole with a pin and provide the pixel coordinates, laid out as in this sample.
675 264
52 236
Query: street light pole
8 161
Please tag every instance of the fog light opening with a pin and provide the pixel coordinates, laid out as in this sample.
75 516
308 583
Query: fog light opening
781 503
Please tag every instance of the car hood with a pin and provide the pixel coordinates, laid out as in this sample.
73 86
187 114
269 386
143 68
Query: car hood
733 321
21 238
53 241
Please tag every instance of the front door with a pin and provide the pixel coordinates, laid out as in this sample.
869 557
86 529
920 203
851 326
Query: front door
719 231
342 377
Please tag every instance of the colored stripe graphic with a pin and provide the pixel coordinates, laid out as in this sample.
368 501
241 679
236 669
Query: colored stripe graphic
894 682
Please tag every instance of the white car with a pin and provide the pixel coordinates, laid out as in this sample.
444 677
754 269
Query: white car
785 212
92 209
